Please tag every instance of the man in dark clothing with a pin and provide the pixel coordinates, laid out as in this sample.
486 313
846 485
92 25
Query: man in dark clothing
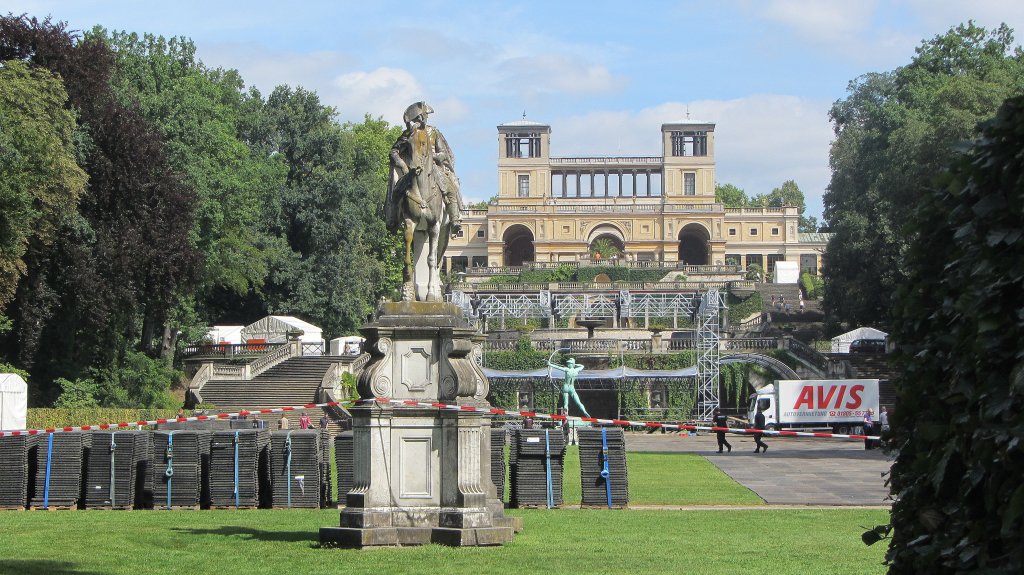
721 421
759 424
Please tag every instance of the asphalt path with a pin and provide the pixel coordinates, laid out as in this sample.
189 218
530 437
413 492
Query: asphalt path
794 471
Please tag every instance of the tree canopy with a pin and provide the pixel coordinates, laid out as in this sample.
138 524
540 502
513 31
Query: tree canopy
894 132
146 195
959 499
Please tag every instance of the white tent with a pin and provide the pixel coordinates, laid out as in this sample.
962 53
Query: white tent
350 345
275 328
225 334
786 272
13 402
841 343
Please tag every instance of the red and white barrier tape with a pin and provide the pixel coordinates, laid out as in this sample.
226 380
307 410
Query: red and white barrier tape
618 422
411 403
123 425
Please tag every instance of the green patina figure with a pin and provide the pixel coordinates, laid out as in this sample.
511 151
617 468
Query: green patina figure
571 370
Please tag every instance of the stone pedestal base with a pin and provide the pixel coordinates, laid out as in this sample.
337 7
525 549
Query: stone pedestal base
399 536
421 475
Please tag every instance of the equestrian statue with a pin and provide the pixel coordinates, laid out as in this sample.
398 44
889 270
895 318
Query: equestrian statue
423 197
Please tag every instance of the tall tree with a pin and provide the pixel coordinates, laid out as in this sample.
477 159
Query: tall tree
731 196
116 269
40 181
959 499
894 132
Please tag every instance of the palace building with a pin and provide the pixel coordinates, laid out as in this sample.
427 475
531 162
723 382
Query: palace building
657 209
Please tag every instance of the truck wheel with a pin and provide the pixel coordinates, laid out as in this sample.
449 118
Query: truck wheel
842 430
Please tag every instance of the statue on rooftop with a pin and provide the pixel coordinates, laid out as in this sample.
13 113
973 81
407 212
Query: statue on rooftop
423 196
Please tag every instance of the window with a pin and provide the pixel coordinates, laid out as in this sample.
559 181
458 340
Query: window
690 184
479 261
732 231
525 145
565 229
733 259
645 229
753 231
524 186
689 143
461 234
459 263
480 233
775 231
772 259
755 259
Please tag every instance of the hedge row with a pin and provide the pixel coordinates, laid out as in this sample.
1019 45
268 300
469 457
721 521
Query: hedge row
47 417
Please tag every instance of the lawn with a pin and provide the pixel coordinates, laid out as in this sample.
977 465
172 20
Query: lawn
556 541
666 479
568 540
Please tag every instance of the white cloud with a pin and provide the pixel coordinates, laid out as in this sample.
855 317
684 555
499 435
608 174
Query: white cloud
760 140
267 69
940 15
554 73
821 20
383 92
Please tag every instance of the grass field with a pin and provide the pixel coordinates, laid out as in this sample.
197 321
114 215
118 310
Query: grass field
557 541
569 540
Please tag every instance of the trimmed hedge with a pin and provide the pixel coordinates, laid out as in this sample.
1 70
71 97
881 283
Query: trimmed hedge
47 417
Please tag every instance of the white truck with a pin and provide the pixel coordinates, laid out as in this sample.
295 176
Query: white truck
838 404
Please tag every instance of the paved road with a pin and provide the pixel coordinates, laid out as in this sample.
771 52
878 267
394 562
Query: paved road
794 471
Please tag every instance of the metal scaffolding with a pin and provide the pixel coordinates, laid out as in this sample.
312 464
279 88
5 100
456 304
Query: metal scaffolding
704 308
707 321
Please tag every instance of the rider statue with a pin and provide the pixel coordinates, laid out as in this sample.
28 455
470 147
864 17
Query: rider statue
572 370
422 178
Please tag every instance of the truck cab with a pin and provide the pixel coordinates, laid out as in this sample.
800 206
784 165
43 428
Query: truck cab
763 400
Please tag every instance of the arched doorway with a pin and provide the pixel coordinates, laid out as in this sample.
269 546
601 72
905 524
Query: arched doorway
606 242
518 245
694 248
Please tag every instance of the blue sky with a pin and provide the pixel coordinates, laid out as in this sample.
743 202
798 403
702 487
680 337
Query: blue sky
604 74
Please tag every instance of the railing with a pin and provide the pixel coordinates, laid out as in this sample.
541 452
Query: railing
605 161
807 353
202 376
271 359
757 210
750 343
221 371
312 349
227 349
587 262
680 344
514 209
359 363
754 320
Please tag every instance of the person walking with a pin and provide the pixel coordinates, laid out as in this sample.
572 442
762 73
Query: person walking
304 421
282 423
722 422
759 425
324 422
869 428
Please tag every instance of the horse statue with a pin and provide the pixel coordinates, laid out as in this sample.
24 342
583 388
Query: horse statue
423 196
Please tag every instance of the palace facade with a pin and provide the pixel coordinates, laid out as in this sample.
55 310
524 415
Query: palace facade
657 209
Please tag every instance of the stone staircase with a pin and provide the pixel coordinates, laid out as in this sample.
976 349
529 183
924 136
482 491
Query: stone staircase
295 381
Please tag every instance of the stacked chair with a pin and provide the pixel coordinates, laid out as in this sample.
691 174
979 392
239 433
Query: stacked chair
17 466
295 464
112 465
498 460
344 458
240 469
326 495
537 467
180 465
57 482
603 473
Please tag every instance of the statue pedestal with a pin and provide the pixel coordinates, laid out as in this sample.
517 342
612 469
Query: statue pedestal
421 475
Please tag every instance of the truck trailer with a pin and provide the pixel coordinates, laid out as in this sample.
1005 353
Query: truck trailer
836 404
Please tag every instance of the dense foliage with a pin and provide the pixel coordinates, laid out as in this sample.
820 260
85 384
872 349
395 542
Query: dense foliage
145 196
960 418
894 132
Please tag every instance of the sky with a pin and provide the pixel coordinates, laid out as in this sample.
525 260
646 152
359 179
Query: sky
603 74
